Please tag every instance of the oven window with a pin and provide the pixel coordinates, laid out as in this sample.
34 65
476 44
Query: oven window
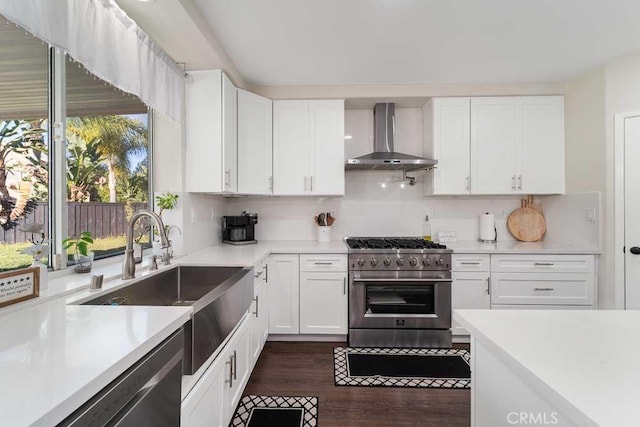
399 299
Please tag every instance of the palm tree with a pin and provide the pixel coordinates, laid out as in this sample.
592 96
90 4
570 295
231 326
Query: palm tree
84 168
120 136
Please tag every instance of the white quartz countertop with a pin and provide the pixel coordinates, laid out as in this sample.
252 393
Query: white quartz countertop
54 357
248 255
583 362
515 247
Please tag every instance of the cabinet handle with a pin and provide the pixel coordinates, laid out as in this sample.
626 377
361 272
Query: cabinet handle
488 285
513 182
271 183
543 264
468 182
520 182
469 263
323 263
543 289
230 363
235 365
256 301
344 286
266 273
311 183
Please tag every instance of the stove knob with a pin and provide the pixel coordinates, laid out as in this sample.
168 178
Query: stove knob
413 261
426 262
360 262
400 262
387 261
439 261
374 262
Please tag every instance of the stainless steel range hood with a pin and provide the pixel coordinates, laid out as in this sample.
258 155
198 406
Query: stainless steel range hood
383 156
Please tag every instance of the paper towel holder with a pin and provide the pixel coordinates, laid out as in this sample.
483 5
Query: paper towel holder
495 231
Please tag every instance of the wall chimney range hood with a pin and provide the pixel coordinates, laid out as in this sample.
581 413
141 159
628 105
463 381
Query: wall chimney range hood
384 157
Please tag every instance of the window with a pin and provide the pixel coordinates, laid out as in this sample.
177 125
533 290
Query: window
101 175
107 160
24 165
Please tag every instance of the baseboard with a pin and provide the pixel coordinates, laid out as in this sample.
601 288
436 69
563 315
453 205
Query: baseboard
461 339
308 338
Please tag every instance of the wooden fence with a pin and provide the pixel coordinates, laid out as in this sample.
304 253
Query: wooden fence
101 219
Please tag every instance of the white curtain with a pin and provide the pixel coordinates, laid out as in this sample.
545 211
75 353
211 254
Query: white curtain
99 35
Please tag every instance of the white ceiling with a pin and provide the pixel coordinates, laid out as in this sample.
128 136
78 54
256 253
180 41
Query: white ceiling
349 42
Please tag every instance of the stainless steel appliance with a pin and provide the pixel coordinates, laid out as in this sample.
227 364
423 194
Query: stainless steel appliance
147 394
399 293
384 156
239 230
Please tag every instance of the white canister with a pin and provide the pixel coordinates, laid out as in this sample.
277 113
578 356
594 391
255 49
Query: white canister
324 234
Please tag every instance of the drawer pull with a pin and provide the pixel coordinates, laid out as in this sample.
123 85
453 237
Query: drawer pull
543 289
543 264
469 263
323 263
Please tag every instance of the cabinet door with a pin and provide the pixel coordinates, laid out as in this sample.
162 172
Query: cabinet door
494 145
238 353
204 405
204 131
541 145
323 303
259 322
291 148
283 290
451 146
255 143
471 291
229 135
326 126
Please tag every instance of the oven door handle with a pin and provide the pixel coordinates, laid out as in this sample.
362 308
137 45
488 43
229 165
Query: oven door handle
402 280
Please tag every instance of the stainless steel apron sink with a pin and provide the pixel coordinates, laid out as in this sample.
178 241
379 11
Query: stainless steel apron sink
219 296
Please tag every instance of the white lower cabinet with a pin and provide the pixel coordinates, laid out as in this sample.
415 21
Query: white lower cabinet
259 321
213 399
283 290
469 290
323 303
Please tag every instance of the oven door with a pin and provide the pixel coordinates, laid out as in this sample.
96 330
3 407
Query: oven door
409 300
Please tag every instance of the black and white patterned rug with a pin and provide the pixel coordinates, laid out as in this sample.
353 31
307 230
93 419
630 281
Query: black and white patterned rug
283 411
402 367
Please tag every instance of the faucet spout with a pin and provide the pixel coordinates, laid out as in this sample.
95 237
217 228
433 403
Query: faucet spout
129 266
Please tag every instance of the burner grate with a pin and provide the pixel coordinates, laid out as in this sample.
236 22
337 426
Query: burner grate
393 243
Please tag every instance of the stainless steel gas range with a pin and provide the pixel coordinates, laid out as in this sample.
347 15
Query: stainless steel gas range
399 292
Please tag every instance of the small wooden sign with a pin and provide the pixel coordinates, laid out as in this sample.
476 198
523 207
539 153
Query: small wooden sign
19 285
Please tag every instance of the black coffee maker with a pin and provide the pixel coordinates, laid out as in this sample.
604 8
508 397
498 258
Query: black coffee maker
239 230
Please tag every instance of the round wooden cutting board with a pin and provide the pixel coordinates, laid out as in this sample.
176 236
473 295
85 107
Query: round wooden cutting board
527 224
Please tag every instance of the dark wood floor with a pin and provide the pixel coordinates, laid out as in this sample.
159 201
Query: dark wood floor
306 369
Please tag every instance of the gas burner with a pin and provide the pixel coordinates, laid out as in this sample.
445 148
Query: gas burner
392 243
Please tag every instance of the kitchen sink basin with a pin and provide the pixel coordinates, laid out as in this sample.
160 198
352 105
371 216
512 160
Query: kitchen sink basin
220 296
183 285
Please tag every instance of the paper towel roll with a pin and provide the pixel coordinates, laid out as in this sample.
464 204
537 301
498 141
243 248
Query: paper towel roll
487 228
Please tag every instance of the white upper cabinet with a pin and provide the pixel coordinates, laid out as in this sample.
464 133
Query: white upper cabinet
255 142
494 145
446 134
211 133
541 145
308 147
516 146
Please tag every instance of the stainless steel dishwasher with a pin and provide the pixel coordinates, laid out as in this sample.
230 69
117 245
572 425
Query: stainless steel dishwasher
147 394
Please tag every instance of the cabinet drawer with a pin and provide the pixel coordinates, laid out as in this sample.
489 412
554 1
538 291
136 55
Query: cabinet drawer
548 288
542 263
470 262
324 262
